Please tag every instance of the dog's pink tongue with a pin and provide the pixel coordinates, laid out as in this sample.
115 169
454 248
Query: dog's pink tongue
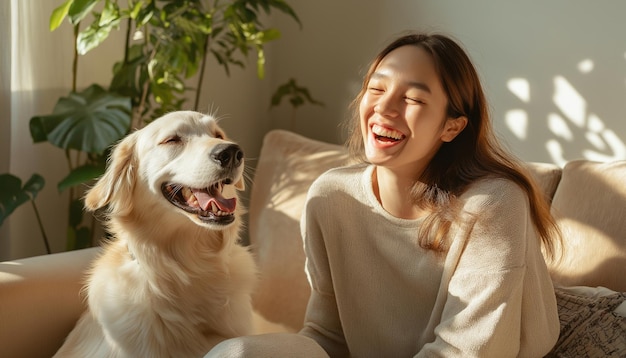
205 200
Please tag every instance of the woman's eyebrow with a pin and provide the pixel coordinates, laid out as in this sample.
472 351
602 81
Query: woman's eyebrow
415 84
419 85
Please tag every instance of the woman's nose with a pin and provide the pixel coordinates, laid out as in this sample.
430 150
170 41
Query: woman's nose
386 106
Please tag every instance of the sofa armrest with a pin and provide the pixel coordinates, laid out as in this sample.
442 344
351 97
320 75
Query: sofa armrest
40 301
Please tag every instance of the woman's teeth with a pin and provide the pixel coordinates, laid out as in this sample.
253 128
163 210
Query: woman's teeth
386 133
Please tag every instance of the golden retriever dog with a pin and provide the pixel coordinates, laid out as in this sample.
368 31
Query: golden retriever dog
173 281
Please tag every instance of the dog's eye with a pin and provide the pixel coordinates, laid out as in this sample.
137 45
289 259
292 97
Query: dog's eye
219 135
172 140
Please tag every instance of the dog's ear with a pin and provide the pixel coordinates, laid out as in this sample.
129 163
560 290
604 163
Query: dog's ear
115 187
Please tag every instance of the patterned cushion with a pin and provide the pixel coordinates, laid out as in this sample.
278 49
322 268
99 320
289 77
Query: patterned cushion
590 327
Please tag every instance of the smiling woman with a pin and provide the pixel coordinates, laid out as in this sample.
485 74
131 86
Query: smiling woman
437 233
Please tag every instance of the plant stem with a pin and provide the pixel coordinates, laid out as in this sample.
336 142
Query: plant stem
146 85
293 119
68 157
43 232
75 61
201 74
127 44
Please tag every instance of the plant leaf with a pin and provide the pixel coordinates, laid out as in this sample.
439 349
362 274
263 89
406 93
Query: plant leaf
285 8
297 95
34 185
110 14
265 36
81 175
76 212
89 121
92 37
79 9
58 14
83 238
13 194
260 63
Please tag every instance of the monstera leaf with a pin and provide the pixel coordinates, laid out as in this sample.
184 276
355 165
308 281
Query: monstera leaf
89 121
13 194
82 174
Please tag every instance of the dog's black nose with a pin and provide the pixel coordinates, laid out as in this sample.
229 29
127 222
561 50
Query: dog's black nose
227 155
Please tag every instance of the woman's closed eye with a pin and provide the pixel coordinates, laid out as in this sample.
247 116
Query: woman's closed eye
414 100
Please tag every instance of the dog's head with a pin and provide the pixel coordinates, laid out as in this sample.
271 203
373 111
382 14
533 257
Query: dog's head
180 162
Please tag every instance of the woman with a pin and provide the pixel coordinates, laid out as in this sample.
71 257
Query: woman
432 246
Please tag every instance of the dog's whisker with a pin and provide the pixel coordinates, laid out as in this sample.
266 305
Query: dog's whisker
175 189
248 176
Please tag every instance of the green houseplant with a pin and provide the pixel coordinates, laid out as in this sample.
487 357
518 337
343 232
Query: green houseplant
14 194
166 43
296 95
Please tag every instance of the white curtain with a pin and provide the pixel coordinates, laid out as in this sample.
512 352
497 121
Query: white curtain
28 72
5 107
35 70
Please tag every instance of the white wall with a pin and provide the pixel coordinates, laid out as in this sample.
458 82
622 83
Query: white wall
538 44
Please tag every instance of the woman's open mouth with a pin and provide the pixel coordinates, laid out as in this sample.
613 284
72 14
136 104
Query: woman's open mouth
386 134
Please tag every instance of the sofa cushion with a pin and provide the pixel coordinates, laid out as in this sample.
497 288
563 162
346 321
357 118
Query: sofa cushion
40 301
590 207
547 177
591 325
288 165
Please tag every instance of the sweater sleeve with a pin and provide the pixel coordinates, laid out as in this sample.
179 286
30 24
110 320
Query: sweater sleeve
322 322
500 291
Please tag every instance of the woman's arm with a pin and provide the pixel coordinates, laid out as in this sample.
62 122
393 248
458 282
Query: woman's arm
322 322
500 300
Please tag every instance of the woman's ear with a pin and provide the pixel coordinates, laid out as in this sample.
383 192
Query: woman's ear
453 127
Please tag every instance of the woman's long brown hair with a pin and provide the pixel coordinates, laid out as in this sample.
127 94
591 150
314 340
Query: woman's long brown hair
474 154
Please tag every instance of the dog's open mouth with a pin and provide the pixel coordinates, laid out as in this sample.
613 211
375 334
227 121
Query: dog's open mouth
207 203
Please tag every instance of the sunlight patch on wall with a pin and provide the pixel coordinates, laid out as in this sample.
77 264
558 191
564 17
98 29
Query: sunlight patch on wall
594 136
517 121
555 150
571 123
569 101
520 87
616 146
585 66
559 127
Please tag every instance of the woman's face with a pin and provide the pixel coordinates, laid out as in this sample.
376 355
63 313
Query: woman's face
403 112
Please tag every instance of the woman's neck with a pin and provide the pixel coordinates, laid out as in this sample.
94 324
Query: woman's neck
393 191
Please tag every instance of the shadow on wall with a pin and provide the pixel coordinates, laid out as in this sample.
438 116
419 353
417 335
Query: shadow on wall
574 130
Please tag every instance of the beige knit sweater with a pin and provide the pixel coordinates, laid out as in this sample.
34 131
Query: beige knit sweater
376 293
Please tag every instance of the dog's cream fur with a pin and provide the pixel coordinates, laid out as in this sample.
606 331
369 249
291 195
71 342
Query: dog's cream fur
169 284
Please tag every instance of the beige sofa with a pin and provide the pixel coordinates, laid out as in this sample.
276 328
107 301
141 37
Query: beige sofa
39 297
